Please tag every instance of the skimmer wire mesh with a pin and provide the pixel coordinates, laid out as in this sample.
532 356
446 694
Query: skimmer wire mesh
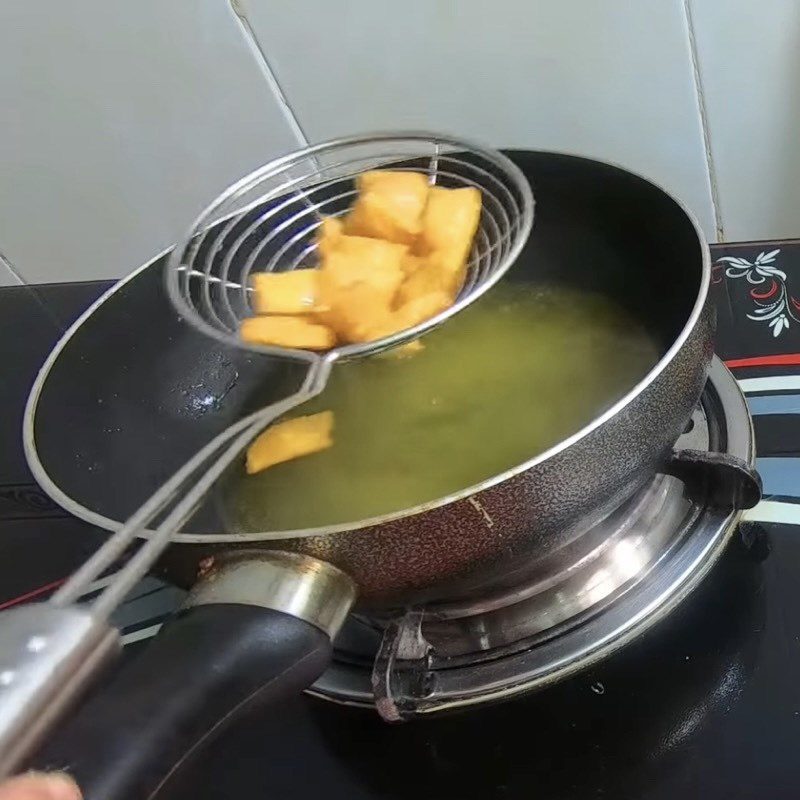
268 221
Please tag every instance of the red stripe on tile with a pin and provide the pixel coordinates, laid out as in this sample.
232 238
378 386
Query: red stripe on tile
783 360
15 601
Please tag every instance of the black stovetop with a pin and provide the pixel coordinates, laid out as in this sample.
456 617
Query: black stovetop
705 704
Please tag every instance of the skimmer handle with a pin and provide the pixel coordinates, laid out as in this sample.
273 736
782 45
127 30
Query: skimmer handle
50 652
48 656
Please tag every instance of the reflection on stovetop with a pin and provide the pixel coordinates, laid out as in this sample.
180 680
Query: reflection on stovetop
609 732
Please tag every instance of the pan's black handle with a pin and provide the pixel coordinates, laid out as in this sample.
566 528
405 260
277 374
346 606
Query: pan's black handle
229 652
721 479
209 665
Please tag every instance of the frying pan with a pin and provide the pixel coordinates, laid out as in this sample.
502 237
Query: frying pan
132 391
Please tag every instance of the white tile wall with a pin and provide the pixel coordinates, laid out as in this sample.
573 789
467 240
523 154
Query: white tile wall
120 121
749 59
607 78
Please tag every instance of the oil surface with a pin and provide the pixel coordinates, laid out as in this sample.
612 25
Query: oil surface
514 374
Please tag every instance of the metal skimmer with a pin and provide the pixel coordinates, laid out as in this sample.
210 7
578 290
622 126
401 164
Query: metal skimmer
266 221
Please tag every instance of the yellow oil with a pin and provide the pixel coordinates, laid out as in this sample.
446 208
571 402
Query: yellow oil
514 374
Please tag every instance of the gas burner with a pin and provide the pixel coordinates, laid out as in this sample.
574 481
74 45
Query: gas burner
648 555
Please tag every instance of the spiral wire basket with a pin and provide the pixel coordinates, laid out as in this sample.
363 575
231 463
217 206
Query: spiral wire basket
268 221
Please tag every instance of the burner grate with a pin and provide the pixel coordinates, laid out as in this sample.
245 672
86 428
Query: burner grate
649 554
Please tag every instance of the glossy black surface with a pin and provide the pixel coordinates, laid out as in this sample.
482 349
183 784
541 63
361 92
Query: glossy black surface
705 705
686 707
40 542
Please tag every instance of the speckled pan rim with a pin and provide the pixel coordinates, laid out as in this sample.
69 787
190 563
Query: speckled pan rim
81 512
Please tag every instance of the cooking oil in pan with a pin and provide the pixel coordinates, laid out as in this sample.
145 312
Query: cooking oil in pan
514 374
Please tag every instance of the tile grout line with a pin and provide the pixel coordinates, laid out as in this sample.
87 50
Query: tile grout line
4 262
268 73
32 288
703 111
